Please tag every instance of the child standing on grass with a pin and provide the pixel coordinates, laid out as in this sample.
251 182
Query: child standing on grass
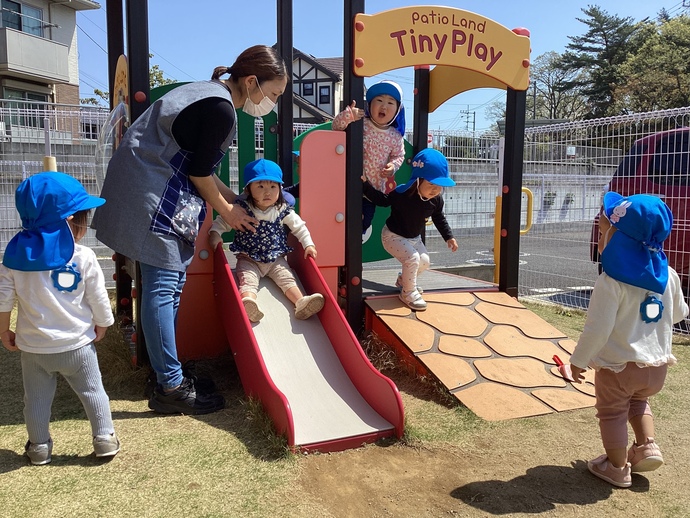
384 130
263 253
628 332
411 204
62 308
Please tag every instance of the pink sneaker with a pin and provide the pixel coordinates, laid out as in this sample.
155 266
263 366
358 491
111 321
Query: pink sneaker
602 468
645 457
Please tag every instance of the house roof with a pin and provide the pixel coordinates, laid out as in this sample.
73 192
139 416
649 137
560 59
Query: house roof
333 64
310 108
333 74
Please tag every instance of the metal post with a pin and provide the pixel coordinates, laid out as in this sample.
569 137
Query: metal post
511 192
353 89
285 123
420 124
138 52
116 42
139 83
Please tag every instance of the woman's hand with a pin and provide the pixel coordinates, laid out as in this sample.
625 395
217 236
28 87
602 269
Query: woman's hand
452 244
238 219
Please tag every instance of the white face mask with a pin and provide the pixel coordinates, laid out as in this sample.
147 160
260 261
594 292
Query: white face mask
258 110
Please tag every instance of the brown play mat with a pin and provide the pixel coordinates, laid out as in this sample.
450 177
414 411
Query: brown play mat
490 352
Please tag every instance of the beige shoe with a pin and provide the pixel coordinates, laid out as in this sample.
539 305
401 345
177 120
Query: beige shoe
308 305
601 467
645 457
252 309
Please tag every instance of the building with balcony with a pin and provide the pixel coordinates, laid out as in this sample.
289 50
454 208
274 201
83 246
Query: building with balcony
38 50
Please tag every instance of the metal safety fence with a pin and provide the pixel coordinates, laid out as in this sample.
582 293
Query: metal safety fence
567 167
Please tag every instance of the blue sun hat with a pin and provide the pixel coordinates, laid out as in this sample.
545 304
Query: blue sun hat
394 90
262 169
44 202
634 255
430 165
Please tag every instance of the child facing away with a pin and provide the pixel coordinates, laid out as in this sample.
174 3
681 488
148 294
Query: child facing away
263 253
628 332
411 204
384 129
62 308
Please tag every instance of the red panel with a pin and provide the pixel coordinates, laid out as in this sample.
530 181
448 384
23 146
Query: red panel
322 193
200 333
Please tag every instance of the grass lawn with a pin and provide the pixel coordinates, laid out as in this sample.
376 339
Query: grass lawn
230 464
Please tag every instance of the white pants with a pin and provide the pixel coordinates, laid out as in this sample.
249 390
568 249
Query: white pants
411 253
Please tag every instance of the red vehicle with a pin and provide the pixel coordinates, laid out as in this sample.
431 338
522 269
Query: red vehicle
659 164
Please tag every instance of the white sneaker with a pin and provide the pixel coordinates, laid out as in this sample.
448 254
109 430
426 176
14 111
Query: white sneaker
252 309
106 445
40 453
308 306
398 284
413 300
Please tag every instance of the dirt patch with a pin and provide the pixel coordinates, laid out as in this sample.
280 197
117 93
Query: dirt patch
519 467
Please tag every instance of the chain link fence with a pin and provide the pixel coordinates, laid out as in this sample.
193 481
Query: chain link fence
567 167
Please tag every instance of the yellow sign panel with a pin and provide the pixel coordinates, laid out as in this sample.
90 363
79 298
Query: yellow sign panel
433 35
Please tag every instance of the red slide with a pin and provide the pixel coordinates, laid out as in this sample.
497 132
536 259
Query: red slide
311 376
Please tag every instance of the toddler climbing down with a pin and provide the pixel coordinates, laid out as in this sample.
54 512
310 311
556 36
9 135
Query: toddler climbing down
411 204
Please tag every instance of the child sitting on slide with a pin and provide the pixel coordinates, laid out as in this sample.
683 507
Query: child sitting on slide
262 253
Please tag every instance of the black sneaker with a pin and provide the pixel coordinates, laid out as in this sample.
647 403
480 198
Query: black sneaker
185 400
203 385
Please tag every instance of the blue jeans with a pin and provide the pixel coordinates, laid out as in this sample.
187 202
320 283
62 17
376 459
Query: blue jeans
160 299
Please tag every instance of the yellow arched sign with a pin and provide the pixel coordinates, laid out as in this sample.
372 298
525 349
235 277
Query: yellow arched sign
489 54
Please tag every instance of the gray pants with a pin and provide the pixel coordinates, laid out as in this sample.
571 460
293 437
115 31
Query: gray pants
80 369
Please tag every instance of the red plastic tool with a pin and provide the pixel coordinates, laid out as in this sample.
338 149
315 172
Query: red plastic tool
563 368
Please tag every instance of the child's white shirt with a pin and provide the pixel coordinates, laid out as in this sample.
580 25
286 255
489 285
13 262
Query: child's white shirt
614 332
52 321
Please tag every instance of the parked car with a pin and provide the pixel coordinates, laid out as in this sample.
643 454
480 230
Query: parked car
659 164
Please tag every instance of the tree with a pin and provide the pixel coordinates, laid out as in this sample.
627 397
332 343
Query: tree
553 94
600 53
658 75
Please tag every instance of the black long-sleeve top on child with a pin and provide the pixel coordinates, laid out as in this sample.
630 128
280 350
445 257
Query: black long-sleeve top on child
409 211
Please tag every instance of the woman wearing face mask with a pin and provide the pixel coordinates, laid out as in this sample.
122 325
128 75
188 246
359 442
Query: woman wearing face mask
157 185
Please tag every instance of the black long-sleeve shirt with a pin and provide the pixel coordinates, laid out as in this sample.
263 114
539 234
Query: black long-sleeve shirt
409 211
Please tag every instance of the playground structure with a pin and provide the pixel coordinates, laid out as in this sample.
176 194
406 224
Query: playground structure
313 378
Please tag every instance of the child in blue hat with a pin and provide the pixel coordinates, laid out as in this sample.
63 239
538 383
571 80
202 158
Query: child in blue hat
411 204
628 332
263 253
384 130
62 308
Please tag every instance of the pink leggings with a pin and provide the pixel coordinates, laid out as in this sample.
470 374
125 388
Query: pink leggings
622 396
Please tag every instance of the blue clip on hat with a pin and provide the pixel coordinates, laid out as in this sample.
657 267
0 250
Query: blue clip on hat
634 254
394 90
430 165
44 202
262 169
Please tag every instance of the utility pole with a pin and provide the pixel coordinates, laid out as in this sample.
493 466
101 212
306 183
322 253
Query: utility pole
466 113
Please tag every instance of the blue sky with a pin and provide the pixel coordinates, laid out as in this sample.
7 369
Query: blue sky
189 39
